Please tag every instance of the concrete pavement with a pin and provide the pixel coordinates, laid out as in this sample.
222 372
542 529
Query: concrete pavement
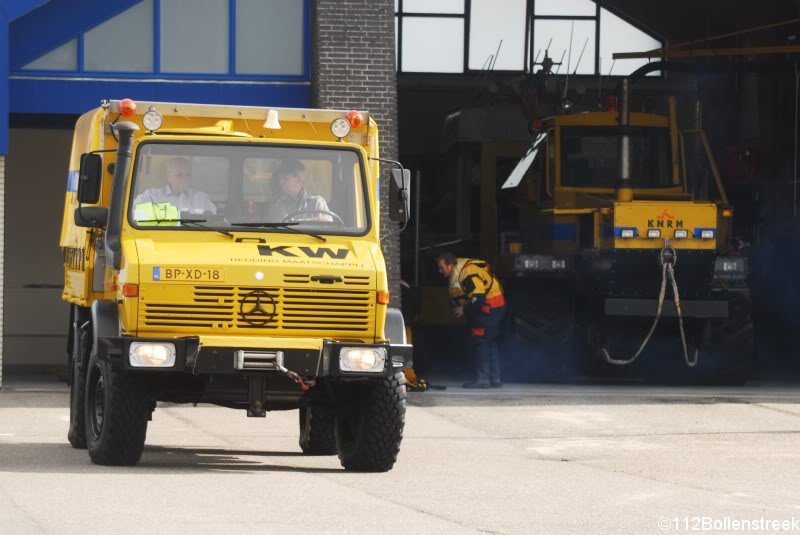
528 459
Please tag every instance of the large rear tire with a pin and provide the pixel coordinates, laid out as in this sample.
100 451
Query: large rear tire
369 424
117 410
317 431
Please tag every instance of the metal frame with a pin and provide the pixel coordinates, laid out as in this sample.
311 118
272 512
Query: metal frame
530 20
157 73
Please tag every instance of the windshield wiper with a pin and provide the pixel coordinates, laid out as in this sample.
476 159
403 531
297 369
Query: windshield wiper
189 222
289 225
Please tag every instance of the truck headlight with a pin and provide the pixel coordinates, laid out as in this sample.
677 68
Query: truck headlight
730 267
705 233
152 355
653 233
681 234
529 262
362 359
626 232
533 262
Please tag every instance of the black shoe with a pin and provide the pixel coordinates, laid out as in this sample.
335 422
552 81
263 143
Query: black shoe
498 384
476 385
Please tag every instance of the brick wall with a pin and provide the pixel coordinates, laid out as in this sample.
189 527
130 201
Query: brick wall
353 67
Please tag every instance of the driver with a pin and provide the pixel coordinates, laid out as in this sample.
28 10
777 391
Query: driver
178 190
294 198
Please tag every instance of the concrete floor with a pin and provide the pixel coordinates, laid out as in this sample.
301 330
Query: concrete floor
527 459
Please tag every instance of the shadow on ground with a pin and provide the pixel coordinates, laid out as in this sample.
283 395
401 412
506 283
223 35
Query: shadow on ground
62 458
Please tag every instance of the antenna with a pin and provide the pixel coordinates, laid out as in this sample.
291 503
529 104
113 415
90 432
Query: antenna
578 64
491 67
561 61
569 58
599 82
483 67
485 72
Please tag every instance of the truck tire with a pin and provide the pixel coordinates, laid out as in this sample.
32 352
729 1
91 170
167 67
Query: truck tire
369 424
77 401
317 431
738 370
117 410
78 362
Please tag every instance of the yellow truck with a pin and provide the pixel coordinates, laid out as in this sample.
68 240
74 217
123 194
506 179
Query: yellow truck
625 246
232 255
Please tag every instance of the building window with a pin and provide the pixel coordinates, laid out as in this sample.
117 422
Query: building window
63 58
571 43
513 35
431 35
107 47
433 44
194 36
616 35
497 35
206 39
269 37
433 6
565 8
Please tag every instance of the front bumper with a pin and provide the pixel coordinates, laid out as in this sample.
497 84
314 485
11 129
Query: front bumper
639 308
193 358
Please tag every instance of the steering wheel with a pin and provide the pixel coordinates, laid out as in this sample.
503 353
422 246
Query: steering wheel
291 217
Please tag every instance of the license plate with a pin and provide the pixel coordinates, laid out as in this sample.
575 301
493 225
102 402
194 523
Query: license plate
188 274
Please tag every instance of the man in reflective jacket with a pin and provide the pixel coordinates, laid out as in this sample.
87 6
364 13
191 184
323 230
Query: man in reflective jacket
477 294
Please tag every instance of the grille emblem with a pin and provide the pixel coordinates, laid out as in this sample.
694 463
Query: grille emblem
257 308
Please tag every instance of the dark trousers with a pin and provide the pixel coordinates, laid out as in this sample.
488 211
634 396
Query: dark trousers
484 334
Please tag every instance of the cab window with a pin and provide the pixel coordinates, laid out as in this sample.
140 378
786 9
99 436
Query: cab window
590 157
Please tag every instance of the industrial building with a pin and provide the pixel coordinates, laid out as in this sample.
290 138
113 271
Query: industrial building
411 63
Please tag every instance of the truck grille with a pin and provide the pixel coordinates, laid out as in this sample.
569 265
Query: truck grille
263 309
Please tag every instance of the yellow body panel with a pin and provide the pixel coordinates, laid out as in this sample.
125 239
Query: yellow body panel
346 311
260 342
666 217
608 118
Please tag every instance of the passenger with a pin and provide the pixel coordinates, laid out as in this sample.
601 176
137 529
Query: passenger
476 293
178 191
294 202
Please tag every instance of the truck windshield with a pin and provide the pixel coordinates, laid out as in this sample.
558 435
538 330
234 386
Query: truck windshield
248 187
590 157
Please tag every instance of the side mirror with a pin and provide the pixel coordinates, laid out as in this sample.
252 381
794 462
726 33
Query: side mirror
91 217
89 178
400 195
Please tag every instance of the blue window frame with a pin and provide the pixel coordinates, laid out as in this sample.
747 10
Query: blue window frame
157 73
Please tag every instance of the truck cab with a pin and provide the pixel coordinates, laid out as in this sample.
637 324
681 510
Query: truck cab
231 255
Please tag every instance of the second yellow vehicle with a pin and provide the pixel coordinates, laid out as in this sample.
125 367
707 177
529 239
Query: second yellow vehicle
625 245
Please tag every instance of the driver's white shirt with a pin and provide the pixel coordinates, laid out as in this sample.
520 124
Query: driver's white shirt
192 201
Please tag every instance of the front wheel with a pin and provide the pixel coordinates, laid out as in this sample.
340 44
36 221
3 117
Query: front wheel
370 422
117 410
317 431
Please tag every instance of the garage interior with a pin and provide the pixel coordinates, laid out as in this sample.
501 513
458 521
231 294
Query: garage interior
749 108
